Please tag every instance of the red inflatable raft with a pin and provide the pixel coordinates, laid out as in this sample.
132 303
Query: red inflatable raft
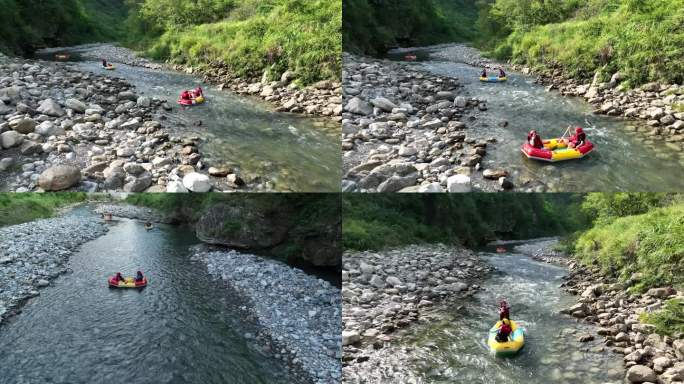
556 150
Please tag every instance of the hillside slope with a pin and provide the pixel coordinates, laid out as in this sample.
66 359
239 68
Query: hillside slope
29 25
372 27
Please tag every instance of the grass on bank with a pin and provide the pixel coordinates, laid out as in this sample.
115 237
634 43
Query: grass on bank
17 208
271 36
669 320
650 245
644 40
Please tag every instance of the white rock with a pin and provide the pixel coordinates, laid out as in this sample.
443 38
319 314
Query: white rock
197 182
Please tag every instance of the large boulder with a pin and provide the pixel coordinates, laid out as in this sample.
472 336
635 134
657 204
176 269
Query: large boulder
51 108
359 107
48 128
138 184
459 184
638 374
76 105
24 126
11 139
59 177
197 182
384 104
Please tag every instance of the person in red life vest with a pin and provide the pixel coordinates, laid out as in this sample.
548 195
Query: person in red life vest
139 277
504 310
504 331
118 277
501 72
185 95
578 139
198 92
535 140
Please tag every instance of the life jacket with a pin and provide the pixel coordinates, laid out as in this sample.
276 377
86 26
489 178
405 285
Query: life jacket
505 330
484 73
185 95
502 73
199 92
579 137
118 277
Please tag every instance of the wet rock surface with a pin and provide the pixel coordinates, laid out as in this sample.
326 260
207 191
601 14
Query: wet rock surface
387 291
407 131
32 254
299 315
648 357
64 129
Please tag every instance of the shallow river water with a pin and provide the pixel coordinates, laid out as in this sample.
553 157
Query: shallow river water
454 349
179 329
296 153
625 159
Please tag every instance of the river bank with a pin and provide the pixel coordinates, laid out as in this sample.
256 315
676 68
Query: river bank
388 291
661 106
34 253
66 129
320 99
405 130
298 315
648 357
623 148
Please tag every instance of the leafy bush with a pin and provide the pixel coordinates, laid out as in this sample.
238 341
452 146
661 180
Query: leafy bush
651 244
669 320
249 37
641 39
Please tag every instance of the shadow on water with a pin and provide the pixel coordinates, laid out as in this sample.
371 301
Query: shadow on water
625 159
455 349
297 153
180 329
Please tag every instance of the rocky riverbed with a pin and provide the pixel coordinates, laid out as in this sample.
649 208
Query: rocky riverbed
387 291
298 315
131 212
110 52
406 130
660 105
319 99
64 129
648 357
34 253
544 250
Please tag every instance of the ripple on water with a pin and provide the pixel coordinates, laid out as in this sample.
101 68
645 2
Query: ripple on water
454 349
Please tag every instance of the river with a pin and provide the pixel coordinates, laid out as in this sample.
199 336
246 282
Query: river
453 349
625 158
292 152
179 329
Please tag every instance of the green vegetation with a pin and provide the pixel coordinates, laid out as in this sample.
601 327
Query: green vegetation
311 221
669 320
378 221
372 26
641 39
647 248
248 37
17 208
28 25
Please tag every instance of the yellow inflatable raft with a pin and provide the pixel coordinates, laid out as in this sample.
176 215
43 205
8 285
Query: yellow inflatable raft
493 79
515 342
